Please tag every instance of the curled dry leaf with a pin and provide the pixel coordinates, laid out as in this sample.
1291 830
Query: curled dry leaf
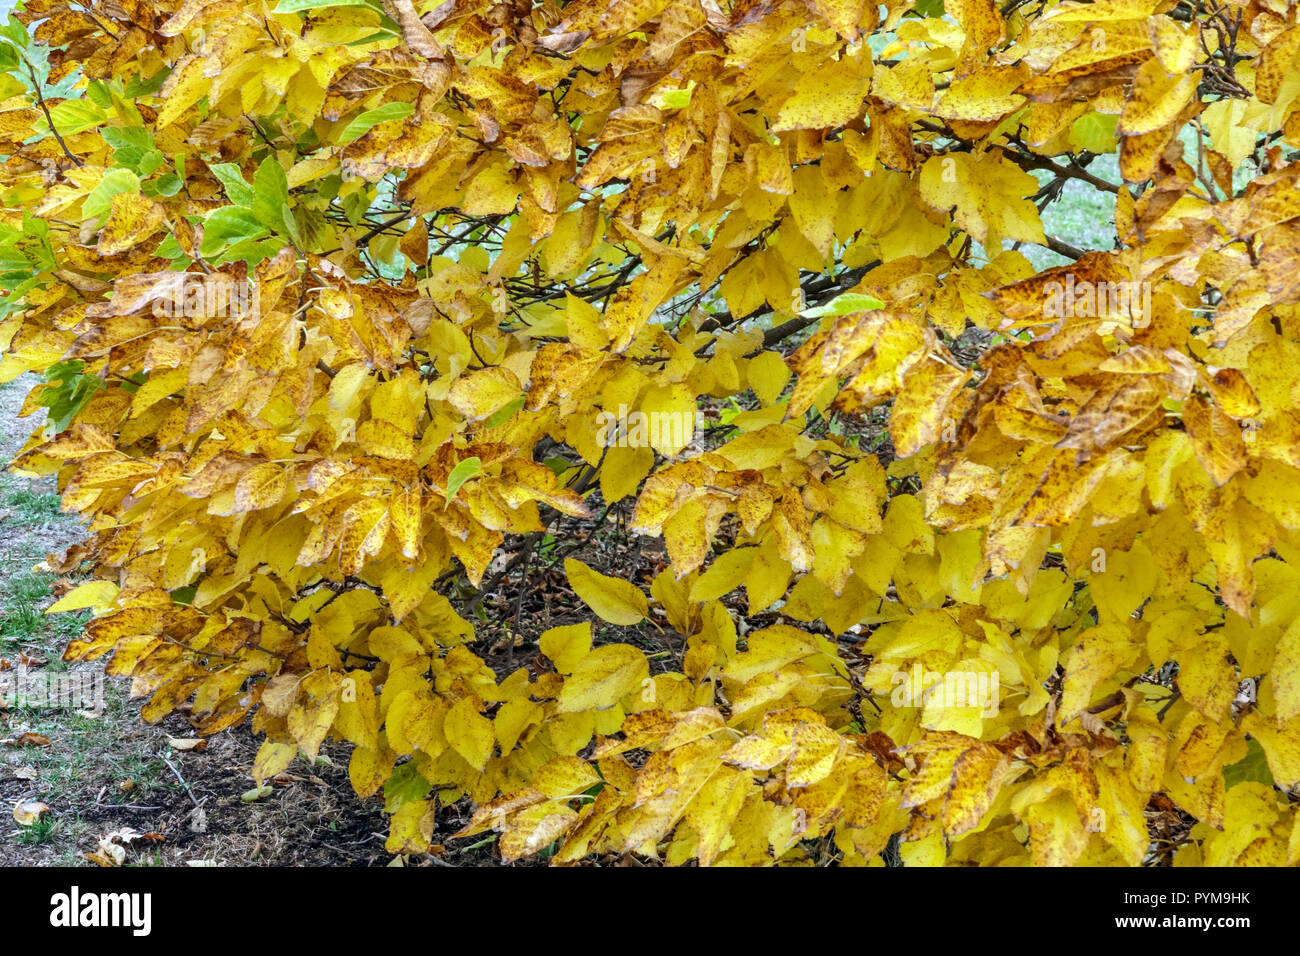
69 560
109 856
112 847
27 812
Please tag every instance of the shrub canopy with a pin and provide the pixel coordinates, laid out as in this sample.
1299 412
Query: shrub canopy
349 317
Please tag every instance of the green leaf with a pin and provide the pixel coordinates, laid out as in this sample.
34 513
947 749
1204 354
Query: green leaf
252 251
462 473
150 162
169 184
114 183
558 464
185 595
68 393
140 86
271 199
169 248
14 300
129 143
403 786
16 33
372 118
1252 767
504 413
227 225
844 304
232 180
76 116
98 93
1095 132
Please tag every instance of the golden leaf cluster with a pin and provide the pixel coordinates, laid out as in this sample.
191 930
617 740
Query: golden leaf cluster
330 301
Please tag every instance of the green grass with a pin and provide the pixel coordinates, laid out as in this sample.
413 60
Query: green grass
19 623
31 506
68 625
42 831
85 746
28 587
21 599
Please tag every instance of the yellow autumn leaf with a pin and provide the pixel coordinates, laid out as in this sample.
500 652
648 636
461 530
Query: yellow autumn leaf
469 733
477 395
565 777
262 486
603 678
566 645
97 595
132 219
615 600
986 194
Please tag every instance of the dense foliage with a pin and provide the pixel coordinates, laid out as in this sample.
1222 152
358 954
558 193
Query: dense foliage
333 303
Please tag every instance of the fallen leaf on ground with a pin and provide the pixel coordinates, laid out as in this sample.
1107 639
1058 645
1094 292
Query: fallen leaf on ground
108 854
112 846
68 561
27 812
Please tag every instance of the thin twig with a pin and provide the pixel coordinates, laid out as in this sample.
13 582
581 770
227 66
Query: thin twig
171 766
40 101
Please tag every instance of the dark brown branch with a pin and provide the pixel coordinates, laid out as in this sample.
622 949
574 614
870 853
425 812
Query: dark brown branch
818 290
1033 161
40 100
1064 248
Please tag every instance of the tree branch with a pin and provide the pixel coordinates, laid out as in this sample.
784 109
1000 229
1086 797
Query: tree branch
40 100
